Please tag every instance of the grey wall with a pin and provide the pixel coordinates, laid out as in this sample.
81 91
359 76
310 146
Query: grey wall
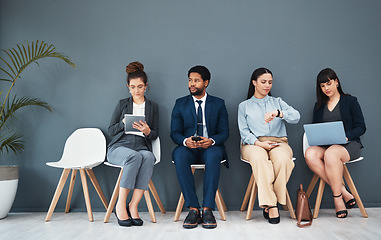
295 39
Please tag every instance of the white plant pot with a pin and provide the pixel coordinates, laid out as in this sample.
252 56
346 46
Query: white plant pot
8 188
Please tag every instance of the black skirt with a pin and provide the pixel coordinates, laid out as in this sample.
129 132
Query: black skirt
354 149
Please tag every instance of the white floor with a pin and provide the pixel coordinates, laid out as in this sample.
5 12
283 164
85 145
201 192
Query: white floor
72 226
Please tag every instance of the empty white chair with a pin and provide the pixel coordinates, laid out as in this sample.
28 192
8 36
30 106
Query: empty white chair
84 149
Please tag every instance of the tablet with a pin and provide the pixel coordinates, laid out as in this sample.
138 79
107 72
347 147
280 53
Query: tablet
329 133
129 120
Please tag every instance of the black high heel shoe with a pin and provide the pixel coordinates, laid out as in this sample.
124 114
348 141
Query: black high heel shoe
123 223
338 213
265 214
351 203
135 221
275 220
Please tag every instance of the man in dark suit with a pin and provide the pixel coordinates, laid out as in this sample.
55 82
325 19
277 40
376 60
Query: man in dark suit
199 126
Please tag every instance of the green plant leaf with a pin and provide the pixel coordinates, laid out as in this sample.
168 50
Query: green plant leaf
12 143
19 58
14 68
9 66
13 52
18 103
22 55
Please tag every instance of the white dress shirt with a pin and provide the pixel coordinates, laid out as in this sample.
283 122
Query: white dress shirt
205 130
138 110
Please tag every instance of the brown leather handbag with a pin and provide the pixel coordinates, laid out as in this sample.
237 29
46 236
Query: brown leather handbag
303 209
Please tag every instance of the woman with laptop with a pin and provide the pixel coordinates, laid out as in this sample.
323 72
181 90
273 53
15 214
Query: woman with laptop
327 161
261 121
131 147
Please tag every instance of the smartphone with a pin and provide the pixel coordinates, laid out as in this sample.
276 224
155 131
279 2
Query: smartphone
274 144
196 139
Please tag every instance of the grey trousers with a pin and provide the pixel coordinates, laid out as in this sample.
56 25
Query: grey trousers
137 166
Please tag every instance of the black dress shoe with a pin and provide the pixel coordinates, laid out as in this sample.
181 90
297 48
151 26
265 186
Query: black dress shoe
123 223
193 219
208 220
135 221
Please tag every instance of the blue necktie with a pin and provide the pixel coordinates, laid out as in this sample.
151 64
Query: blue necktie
200 128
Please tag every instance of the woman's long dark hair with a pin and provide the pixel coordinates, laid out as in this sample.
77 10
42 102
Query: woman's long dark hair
257 72
325 76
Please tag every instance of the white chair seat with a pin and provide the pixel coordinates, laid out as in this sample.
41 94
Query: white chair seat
72 165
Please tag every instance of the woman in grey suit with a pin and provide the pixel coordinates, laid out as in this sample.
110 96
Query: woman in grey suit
133 149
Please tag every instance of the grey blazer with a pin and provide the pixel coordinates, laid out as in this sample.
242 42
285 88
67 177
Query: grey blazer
124 106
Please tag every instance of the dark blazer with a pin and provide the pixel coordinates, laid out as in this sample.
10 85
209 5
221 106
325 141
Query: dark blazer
125 106
184 120
351 115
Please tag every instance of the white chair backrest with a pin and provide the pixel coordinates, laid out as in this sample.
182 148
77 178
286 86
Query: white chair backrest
156 150
85 147
305 144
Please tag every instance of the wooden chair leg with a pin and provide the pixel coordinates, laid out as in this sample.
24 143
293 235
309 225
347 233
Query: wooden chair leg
247 194
57 194
97 187
71 187
222 200
156 196
114 197
179 208
289 205
180 204
149 206
313 182
253 195
220 206
319 196
353 189
86 194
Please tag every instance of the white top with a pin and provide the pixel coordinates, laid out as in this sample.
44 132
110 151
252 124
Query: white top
138 110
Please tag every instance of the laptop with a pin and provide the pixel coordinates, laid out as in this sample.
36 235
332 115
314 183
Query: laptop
129 120
329 133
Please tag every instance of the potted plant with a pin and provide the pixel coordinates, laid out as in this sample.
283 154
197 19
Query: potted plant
13 63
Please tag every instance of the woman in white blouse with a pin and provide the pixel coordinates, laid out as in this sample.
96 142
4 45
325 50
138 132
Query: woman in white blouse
261 121
133 149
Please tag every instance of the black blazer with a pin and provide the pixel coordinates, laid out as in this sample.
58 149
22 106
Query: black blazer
351 114
125 106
